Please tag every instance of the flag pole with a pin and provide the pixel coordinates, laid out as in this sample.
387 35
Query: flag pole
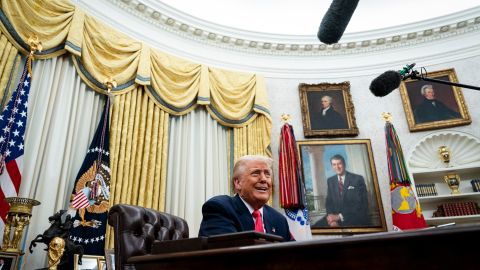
406 211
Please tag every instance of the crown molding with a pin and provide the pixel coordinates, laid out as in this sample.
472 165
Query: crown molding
434 41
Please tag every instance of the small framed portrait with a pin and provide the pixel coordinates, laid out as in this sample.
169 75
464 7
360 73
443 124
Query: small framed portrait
110 259
432 105
90 262
341 183
327 110
9 260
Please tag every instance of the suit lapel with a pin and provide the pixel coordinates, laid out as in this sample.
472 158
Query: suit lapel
244 215
346 183
269 228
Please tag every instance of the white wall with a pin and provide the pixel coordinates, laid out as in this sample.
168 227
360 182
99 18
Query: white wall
284 98
450 41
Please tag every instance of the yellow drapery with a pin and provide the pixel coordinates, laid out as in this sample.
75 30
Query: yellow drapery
139 147
9 62
145 77
253 139
100 52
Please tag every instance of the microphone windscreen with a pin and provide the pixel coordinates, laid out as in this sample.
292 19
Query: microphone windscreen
335 20
385 83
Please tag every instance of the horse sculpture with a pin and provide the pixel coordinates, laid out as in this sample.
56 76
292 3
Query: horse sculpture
62 230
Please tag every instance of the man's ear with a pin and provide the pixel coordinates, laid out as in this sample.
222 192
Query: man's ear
236 183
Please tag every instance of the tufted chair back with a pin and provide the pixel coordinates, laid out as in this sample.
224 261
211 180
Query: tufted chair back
136 228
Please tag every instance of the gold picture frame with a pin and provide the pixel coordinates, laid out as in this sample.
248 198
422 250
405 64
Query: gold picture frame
110 259
355 205
337 120
90 262
448 109
9 260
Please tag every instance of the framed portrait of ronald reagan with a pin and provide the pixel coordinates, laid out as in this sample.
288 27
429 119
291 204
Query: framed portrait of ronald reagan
343 195
327 110
432 105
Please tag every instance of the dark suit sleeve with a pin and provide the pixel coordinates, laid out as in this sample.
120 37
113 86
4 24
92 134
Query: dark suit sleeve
329 204
216 219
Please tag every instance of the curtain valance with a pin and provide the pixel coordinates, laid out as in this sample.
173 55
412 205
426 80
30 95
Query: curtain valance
100 52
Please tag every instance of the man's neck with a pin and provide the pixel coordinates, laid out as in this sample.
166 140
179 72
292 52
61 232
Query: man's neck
249 206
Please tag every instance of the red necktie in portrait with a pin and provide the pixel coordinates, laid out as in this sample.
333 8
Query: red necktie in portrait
340 185
258 221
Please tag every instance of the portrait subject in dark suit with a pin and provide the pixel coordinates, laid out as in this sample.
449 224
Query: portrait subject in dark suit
327 117
5 264
346 203
247 210
431 109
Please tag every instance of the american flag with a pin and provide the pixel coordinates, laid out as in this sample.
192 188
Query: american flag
13 121
80 200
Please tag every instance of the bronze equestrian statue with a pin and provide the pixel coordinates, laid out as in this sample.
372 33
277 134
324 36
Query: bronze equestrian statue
59 229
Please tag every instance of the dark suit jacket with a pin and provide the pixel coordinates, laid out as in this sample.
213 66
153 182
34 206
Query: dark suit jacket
353 204
331 120
427 112
225 214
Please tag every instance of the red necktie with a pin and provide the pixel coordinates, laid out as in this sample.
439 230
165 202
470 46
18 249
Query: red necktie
340 185
258 221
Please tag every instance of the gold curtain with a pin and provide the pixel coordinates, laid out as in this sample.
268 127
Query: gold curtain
139 148
9 62
49 20
100 52
151 86
253 139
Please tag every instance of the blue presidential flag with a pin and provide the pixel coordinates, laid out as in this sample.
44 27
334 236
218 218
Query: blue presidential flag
91 192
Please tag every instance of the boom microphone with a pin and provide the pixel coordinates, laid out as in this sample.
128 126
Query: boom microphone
335 20
389 81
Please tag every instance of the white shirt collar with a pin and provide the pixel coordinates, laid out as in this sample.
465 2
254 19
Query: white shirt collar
325 110
250 208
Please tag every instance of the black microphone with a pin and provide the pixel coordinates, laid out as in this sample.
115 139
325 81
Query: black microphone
335 20
389 81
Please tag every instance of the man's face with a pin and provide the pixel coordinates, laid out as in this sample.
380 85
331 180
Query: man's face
338 166
255 184
325 103
429 93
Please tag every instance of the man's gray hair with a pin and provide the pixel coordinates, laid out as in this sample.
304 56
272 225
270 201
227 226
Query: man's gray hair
241 163
425 87
327 97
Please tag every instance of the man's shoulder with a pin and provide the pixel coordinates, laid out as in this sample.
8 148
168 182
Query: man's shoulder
222 199
354 175
273 212
332 178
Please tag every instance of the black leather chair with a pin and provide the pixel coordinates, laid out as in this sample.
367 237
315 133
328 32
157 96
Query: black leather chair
136 228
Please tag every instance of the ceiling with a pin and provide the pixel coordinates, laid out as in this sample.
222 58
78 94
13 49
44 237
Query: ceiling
303 17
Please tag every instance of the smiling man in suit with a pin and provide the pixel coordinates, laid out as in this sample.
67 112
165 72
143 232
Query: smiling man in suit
247 210
346 203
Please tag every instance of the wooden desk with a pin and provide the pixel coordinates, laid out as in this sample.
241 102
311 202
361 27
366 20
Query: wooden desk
439 248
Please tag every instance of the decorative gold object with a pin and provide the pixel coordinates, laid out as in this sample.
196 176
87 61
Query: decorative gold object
445 154
17 218
387 117
110 83
55 252
35 44
285 118
453 182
